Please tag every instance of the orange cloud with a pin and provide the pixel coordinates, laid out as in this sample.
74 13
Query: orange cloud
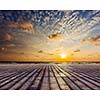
10 45
7 37
77 50
56 36
26 27
40 51
3 49
93 40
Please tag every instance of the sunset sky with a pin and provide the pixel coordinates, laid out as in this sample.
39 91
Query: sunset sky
49 35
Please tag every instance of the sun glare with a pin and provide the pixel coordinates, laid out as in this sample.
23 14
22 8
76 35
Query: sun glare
63 55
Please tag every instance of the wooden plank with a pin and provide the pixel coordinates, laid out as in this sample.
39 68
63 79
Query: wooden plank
14 80
7 74
37 83
21 82
7 78
45 83
88 84
96 79
27 84
49 77
96 84
61 82
94 73
92 80
53 82
80 84
71 84
89 75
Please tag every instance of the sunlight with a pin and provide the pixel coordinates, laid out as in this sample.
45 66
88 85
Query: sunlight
63 55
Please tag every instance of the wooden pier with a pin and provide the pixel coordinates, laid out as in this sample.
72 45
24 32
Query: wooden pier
48 77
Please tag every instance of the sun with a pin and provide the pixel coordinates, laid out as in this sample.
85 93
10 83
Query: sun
63 55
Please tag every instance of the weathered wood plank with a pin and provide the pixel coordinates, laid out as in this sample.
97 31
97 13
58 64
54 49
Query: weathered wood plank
96 79
61 82
53 83
80 84
27 84
37 83
90 85
21 82
71 84
88 80
7 77
45 83
48 76
8 84
7 74
81 79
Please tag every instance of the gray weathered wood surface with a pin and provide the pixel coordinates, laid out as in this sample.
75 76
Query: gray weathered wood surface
49 77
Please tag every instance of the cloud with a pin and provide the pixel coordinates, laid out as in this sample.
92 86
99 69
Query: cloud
72 54
8 37
50 53
77 50
20 27
40 51
5 45
23 27
51 26
93 40
5 36
16 34
75 26
10 45
22 53
56 36
3 49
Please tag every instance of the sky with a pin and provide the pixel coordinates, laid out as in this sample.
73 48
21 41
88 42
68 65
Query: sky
43 35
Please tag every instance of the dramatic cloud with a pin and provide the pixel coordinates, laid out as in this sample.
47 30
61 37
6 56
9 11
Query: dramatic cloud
23 27
57 36
93 40
3 49
10 45
50 53
5 37
40 51
72 54
22 53
74 26
6 46
8 37
77 50
53 31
